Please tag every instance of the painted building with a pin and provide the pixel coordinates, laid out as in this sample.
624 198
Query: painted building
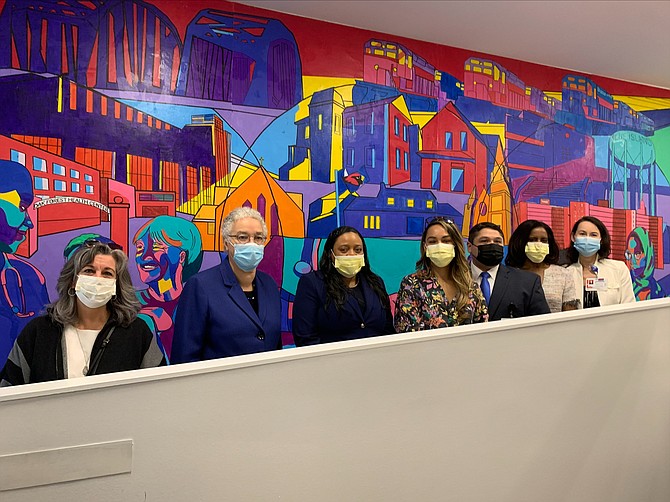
281 211
377 140
243 59
425 88
67 194
453 155
534 143
129 45
619 223
121 142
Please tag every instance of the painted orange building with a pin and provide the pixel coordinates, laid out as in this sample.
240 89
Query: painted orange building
282 211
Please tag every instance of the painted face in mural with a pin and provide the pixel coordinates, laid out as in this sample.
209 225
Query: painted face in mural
16 196
636 258
14 219
158 263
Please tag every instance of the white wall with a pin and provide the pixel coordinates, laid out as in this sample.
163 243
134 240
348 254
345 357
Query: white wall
566 407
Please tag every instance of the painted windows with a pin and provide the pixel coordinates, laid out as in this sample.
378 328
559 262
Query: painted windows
17 156
448 140
464 140
39 164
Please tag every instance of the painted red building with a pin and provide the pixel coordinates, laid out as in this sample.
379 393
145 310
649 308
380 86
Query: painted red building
619 223
454 155
393 65
151 204
67 194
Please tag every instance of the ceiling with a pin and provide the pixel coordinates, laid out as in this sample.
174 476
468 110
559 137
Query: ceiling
627 40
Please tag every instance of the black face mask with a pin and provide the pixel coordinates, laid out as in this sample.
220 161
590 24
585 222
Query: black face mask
490 254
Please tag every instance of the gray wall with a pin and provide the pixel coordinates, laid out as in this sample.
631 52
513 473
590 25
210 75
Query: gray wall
563 407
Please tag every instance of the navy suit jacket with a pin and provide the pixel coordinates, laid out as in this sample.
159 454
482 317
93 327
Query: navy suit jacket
215 319
314 322
516 293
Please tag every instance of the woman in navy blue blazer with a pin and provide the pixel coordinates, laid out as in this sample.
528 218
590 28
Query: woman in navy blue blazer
231 309
344 299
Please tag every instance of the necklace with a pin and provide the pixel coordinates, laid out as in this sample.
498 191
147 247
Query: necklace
87 360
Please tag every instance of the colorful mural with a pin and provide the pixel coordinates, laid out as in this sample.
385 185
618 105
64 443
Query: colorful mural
147 122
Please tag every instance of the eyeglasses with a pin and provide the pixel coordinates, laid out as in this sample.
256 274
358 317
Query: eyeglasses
243 238
89 243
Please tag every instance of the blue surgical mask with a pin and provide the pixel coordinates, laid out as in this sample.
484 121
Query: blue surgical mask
248 256
587 246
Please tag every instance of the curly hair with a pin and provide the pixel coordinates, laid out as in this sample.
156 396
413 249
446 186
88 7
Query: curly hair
516 249
605 240
123 307
336 291
458 269
238 214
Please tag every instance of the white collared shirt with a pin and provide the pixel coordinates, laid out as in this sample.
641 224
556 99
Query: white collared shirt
476 272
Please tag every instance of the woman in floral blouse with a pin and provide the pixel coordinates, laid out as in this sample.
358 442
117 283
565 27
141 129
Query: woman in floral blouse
441 292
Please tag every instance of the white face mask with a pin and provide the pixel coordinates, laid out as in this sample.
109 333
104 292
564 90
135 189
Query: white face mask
537 251
94 292
349 266
440 254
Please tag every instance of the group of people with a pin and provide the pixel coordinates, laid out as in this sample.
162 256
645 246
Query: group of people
234 308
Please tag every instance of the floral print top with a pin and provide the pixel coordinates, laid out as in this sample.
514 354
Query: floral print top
421 304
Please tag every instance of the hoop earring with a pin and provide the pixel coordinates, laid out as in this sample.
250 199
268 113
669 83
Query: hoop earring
71 292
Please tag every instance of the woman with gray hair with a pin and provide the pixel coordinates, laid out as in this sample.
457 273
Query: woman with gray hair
233 308
92 328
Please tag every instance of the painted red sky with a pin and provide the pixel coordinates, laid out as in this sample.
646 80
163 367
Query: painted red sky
342 55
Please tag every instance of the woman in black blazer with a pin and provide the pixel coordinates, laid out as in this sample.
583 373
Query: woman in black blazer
344 299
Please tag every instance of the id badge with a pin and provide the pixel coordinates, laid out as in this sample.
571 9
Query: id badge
596 284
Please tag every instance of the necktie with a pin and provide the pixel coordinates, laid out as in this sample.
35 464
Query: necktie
485 286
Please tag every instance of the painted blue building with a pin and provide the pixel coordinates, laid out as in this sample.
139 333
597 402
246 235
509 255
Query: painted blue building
393 212
242 59
533 143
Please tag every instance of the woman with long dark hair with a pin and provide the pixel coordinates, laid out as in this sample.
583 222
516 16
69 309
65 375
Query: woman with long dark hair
533 247
343 299
441 292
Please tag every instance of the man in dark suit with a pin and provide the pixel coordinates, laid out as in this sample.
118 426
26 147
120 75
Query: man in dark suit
509 292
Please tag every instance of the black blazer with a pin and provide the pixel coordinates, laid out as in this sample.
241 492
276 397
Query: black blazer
315 322
516 293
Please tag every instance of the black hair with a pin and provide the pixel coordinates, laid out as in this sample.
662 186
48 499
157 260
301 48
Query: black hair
336 290
516 249
472 235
